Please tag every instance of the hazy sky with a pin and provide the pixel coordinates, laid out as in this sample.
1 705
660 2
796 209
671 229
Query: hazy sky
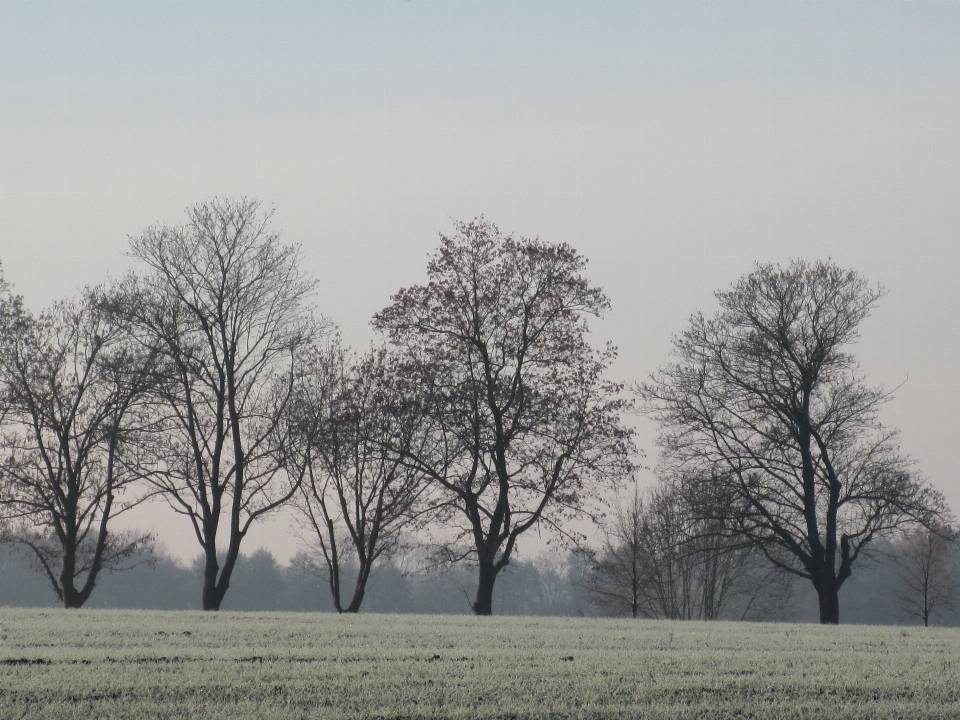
674 144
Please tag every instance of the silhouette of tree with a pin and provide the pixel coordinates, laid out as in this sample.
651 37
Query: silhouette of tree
929 575
661 560
227 306
525 429
351 427
765 400
74 390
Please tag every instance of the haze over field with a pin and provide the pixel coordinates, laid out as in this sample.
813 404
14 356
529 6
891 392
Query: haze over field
673 144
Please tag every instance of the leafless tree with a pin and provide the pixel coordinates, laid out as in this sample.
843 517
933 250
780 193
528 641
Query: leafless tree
617 583
764 400
74 387
526 429
352 429
227 306
928 572
660 560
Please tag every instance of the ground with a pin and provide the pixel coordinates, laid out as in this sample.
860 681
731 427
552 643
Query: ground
130 664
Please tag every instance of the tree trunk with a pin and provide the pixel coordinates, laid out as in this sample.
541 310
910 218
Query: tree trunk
71 598
483 604
357 599
69 595
67 591
359 589
829 605
334 568
212 595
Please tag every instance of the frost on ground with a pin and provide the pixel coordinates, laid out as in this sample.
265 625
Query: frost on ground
128 664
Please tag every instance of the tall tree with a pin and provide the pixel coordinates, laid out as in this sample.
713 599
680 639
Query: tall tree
767 402
352 426
227 306
74 389
526 430
929 573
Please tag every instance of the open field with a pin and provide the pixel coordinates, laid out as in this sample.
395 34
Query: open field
129 664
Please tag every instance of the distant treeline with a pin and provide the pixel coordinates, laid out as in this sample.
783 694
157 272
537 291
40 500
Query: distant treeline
528 587
261 583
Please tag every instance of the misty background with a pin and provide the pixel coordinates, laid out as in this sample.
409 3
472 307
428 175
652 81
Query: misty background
551 583
673 144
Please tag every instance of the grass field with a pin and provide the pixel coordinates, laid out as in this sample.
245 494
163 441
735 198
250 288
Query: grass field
124 664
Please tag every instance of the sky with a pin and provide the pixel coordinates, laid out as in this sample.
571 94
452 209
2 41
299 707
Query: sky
674 144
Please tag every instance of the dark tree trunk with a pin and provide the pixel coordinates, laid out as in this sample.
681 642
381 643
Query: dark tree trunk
355 602
829 605
66 591
212 591
483 604
69 595
72 599
334 582
359 589
357 599
827 583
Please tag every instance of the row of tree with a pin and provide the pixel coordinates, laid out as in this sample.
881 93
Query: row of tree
480 414
544 585
884 591
206 379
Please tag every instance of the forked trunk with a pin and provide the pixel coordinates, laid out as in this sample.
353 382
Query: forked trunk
212 593
70 596
359 589
356 600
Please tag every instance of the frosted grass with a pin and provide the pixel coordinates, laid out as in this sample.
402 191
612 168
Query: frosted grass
128 664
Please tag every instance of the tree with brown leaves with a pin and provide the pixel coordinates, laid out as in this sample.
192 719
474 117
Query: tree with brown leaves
526 430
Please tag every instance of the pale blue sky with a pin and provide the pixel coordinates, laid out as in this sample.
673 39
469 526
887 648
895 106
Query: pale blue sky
673 143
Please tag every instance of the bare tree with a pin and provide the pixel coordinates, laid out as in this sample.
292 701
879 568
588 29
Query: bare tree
617 583
670 558
74 388
526 430
928 572
226 304
764 400
352 430
734 579
660 560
